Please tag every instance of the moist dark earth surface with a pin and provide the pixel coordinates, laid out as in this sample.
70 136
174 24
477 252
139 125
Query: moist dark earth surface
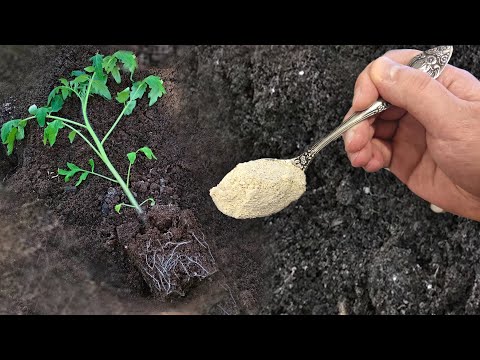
355 243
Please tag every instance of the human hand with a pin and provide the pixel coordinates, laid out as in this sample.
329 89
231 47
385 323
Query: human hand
429 138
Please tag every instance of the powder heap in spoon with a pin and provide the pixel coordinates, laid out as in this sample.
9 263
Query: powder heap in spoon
259 188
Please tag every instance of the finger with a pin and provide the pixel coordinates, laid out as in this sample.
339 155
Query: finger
381 155
415 91
384 129
392 113
362 157
357 137
461 83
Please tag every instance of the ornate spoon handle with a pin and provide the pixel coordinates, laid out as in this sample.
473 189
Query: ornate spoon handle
432 62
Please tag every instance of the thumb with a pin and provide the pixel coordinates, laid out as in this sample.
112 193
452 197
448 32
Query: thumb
416 92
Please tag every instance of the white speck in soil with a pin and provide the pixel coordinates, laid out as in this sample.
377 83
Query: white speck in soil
394 277
301 73
272 91
429 286
217 62
366 190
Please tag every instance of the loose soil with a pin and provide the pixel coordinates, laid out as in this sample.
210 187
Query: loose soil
354 243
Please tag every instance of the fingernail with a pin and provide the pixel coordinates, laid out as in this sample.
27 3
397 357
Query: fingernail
386 69
356 94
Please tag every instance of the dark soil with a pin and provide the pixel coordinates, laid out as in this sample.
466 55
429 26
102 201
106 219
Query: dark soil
354 243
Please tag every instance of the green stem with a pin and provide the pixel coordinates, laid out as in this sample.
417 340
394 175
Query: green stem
102 176
103 154
69 88
84 139
128 175
66 121
119 116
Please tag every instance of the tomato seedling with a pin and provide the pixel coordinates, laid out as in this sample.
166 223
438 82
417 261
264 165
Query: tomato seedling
92 80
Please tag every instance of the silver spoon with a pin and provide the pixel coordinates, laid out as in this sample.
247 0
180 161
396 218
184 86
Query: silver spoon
432 62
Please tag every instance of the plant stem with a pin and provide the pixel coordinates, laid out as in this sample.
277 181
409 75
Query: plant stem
103 154
66 121
84 139
128 175
119 117
102 176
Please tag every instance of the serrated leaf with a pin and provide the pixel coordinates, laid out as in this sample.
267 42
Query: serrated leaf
77 73
128 59
116 75
92 164
71 136
109 63
51 131
52 95
148 153
118 207
41 116
81 79
64 81
123 95
57 103
130 106
156 88
72 166
69 173
82 178
66 93
10 141
132 157
98 87
138 89
32 110
7 128
97 61
89 69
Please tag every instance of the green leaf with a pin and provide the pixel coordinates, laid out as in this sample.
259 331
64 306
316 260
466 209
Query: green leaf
64 82
82 178
116 75
77 73
20 133
52 95
130 106
156 88
123 95
132 157
128 59
138 89
71 136
81 79
92 164
73 169
89 69
7 128
109 63
118 207
72 166
51 131
32 109
98 87
57 103
66 93
97 61
11 140
41 116
148 153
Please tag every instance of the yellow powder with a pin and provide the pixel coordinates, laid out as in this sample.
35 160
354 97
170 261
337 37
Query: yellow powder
259 188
